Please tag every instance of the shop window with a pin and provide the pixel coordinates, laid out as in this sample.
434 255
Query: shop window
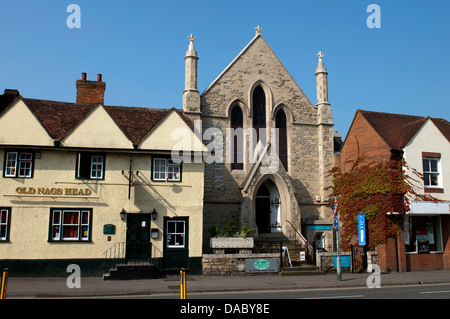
70 224
164 169
18 164
90 165
5 216
423 234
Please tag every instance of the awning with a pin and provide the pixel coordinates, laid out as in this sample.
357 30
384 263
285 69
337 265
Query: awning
430 208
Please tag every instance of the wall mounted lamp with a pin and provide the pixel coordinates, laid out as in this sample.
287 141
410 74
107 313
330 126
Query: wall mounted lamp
123 214
154 214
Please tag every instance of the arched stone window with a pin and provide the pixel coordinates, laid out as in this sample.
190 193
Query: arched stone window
259 113
237 121
280 124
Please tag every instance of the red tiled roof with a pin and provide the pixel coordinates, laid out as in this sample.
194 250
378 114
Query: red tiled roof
398 129
59 118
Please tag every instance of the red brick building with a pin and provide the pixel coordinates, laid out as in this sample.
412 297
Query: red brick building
424 144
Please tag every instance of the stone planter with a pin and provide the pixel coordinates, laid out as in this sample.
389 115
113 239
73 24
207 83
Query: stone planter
239 245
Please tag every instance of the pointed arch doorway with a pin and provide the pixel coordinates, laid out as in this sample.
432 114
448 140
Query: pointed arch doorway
268 208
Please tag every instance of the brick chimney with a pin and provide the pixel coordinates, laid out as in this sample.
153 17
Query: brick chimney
90 92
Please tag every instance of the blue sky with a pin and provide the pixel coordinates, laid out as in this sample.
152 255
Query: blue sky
139 47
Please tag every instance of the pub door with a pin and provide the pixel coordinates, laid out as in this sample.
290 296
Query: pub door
138 246
176 243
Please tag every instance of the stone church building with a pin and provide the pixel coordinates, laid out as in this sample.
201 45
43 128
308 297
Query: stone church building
277 157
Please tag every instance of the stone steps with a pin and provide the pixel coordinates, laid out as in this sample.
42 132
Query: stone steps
303 270
128 272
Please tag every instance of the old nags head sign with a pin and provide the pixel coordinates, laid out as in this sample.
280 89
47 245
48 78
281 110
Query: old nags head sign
53 191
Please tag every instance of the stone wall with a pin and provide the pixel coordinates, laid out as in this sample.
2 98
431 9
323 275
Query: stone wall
229 264
325 260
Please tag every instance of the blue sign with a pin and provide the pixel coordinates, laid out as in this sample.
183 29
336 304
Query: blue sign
346 261
362 229
319 227
336 222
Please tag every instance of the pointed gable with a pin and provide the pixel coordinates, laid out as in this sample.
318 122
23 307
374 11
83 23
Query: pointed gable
256 63
172 133
97 130
20 126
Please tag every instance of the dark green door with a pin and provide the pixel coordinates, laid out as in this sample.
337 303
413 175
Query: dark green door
176 243
138 237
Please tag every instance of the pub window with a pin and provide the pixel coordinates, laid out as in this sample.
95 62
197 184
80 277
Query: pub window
90 165
164 169
5 216
237 121
70 224
423 234
280 124
18 164
176 232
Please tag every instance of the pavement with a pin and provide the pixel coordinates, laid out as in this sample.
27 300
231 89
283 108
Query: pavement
25 288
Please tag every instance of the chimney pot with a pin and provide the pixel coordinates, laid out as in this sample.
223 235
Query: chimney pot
90 92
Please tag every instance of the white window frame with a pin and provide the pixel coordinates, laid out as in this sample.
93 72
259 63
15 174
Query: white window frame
429 171
97 162
176 233
164 169
5 224
82 227
96 165
11 164
25 163
19 164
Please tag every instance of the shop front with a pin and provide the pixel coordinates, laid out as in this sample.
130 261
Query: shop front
427 231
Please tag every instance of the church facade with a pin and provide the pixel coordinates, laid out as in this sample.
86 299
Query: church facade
276 146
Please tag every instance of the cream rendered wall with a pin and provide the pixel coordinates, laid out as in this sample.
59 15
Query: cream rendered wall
429 139
18 126
30 213
172 133
97 130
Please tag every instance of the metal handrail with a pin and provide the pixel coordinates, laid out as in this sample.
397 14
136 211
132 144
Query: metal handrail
117 251
309 247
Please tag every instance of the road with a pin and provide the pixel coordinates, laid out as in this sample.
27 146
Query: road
423 291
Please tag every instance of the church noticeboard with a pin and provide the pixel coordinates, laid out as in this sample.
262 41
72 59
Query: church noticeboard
261 265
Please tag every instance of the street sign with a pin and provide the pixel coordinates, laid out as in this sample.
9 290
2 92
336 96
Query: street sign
362 229
336 222
334 207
